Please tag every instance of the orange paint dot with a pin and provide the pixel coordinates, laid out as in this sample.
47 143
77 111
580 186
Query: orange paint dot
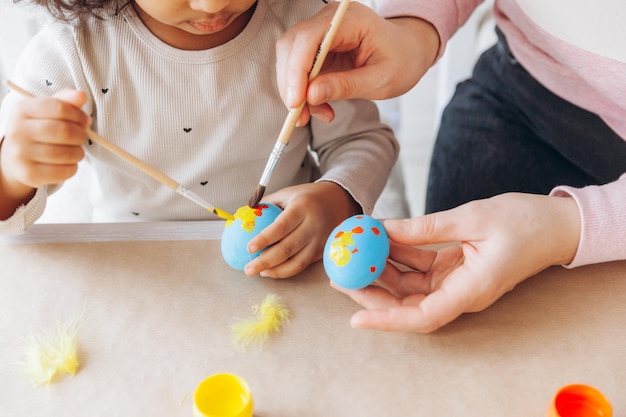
339 234
357 230
355 250
375 231
258 210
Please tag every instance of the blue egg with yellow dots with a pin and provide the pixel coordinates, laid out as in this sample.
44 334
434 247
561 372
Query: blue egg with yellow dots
356 252
248 223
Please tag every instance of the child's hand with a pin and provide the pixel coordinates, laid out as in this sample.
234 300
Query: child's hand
504 240
42 144
298 235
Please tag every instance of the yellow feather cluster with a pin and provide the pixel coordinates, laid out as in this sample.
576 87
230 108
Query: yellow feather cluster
52 353
269 318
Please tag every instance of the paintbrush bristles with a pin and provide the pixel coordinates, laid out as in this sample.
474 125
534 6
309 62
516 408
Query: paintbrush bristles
257 196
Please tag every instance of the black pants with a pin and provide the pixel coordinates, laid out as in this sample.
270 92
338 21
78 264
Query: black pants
503 131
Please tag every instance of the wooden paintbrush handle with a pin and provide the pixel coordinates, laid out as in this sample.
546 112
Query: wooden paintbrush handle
150 170
328 39
294 114
136 162
290 124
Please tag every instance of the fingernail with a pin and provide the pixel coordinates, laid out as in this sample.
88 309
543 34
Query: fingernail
355 322
323 117
253 248
396 225
324 93
249 271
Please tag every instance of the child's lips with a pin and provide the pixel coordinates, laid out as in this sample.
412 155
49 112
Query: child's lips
210 26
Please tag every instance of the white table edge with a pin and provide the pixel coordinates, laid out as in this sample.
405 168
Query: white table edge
111 232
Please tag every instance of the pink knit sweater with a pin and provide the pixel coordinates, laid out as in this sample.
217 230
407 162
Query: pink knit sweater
591 81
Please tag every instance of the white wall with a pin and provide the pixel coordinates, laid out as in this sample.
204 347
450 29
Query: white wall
17 26
420 109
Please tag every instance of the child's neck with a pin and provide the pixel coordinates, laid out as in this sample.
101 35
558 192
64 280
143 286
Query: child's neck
181 39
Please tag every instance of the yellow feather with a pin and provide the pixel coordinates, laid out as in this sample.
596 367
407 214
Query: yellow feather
52 353
270 317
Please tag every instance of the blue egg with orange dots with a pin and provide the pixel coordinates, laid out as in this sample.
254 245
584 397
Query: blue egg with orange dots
248 223
356 252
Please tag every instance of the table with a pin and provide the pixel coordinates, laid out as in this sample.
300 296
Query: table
158 302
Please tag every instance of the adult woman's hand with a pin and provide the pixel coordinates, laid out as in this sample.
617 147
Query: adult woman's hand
500 242
370 58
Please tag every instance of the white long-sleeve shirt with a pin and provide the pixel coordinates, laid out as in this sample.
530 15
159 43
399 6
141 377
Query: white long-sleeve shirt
571 52
207 119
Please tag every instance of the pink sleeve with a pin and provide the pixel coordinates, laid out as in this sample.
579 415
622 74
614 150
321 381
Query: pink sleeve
446 15
603 215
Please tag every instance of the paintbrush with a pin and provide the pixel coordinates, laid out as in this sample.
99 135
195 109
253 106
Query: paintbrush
294 114
153 172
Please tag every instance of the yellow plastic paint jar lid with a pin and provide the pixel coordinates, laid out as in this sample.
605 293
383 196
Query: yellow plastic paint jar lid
579 400
223 395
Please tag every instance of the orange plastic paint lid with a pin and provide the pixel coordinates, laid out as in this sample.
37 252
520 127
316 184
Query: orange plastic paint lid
579 400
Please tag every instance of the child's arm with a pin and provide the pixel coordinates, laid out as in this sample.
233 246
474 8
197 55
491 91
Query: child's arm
356 150
41 146
356 153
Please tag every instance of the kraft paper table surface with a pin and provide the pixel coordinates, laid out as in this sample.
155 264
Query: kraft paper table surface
157 313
